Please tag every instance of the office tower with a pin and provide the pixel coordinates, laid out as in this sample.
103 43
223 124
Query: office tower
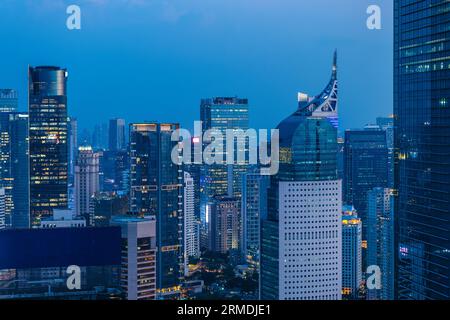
365 168
253 210
351 252
341 148
86 181
225 226
387 124
422 118
19 170
138 269
302 235
100 137
380 241
2 209
48 141
223 114
63 218
117 134
73 147
114 169
106 205
8 105
191 224
156 190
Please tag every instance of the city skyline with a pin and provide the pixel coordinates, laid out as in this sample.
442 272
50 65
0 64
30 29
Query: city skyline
165 77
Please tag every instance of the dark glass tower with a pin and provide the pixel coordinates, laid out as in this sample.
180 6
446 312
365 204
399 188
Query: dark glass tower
48 128
116 134
422 135
156 184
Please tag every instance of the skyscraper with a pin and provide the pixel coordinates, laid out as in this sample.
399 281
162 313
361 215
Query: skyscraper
221 114
351 252
365 168
116 134
86 181
380 241
8 105
2 209
253 210
156 190
302 235
191 223
225 224
422 120
48 141
19 170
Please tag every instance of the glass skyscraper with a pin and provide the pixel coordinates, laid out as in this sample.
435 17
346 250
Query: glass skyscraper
422 132
48 128
156 190
302 233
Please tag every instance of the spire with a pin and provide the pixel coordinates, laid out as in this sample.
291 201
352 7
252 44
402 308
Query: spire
335 64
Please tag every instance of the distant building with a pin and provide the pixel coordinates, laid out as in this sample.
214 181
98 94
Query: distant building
365 168
191 224
225 222
117 134
49 153
86 181
380 241
138 269
351 252
253 210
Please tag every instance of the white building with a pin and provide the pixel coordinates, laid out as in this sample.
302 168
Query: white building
138 269
191 225
86 181
310 229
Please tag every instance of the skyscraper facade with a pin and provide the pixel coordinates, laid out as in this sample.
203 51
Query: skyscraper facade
422 120
253 210
48 141
365 167
86 181
221 114
351 252
116 134
156 190
19 170
2 209
301 237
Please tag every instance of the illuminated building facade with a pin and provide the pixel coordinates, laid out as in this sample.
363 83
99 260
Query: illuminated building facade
156 190
48 141
301 237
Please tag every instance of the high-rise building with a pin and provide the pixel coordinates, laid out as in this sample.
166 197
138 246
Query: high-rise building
223 114
253 210
73 146
114 170
156 190
225 224
380 241
387 124
63 218
117 134
86 181
301 250
191 224
365 168
19 171
2 209
138 269
422 119
100 137
106 205
8 105
351 252
48 141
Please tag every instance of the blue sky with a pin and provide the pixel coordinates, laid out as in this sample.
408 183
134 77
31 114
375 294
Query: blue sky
155 59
